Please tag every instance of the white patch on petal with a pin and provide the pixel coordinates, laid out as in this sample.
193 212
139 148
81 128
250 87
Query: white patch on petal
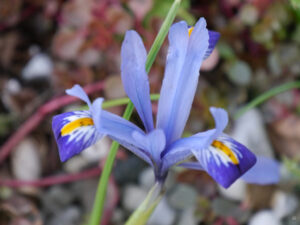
86 134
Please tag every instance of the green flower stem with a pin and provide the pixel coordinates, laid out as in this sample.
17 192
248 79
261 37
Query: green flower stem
102 186
265 96
123 101
142 214
162 34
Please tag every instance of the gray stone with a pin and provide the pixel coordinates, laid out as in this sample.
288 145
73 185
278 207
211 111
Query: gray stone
133 196
182 197
187 217
118 217
146 178
249 129
57 198
239 72
284 204
162 215
88 187
69 216
128 171
236 192
75 164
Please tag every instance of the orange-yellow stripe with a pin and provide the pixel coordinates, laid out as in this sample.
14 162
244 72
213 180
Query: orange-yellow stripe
69 127
190 30
219 145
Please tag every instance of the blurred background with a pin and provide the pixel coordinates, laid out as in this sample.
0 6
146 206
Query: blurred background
48 46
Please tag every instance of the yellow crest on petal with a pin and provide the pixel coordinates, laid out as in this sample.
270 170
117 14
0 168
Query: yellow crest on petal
225 149
73 125
190 30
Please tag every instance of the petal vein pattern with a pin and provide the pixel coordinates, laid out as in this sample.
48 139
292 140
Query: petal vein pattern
134 76
181 77
74 132
225 159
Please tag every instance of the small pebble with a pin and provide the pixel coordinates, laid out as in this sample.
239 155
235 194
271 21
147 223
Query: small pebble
235 192
265 217
284 204
163 214
39 66
146 178
133 196
182 197
26 163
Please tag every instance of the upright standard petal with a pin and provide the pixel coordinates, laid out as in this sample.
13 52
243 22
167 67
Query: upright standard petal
74 132
134 76
181 77
178 43
265 171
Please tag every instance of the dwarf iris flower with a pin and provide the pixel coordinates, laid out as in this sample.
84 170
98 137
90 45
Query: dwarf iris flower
160 145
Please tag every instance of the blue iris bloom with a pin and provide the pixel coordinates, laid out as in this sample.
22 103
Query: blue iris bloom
161 146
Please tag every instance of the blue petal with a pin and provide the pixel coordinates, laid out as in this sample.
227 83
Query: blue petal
219 155
225 160
96 112
213 39
78 92
71 136
134 76
181 149
122 130
154 142
191 165
265 171
181 77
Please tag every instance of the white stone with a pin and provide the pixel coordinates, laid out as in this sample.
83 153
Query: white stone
250 131
133 196
114 87
39 66
26 162
13 86
146 178
283 204
162 215
236 192
182 196
265 217
75 164
97 151
188 217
